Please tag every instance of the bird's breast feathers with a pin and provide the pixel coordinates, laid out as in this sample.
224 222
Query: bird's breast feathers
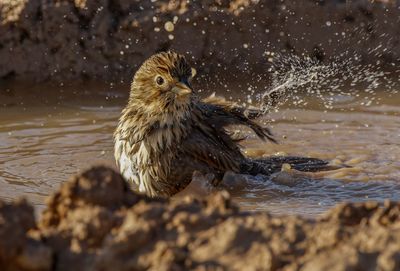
126 163
148 159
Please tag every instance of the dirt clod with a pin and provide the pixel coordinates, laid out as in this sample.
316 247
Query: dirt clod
95 222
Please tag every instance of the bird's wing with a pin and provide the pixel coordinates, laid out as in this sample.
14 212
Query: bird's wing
229 106
211 145
221 112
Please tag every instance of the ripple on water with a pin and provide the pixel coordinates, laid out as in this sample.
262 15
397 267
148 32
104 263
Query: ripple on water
311 196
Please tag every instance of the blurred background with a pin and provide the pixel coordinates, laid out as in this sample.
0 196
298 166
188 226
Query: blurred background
66 66
107 39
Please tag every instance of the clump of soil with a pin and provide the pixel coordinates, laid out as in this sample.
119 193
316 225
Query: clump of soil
95 222
19 249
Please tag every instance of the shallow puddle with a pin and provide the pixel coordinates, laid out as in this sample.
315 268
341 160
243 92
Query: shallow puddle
48 133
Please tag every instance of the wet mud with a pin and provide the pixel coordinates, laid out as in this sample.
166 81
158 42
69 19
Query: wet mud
95 222
108 39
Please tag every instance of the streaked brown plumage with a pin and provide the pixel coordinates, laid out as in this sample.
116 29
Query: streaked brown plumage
166 133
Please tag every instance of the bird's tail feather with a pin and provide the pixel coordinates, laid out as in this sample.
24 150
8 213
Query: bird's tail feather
270 165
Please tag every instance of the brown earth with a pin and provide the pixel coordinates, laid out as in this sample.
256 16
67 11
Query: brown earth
95 222
107 39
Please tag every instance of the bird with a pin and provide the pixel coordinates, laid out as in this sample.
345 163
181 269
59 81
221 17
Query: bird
166 133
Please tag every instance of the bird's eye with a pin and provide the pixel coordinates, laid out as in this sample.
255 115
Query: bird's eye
159 80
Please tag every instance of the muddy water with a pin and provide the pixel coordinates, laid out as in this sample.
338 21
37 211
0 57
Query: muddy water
49 132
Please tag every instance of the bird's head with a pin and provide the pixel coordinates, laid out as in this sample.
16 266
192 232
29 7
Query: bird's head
162 83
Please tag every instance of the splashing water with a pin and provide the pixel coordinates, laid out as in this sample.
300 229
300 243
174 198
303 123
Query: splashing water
343 76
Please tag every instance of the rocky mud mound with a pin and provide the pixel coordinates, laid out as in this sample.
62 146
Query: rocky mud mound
95 222
108 39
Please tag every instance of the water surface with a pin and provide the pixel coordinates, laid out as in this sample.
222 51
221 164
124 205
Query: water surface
49 132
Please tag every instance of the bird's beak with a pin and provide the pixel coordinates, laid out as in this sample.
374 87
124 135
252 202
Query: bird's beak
181 89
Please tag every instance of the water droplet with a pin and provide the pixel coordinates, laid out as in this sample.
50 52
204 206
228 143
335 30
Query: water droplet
169 26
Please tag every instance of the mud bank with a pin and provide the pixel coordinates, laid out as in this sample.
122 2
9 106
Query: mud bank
94 222
108 39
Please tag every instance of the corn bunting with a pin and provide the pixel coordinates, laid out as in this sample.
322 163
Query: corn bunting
166 133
